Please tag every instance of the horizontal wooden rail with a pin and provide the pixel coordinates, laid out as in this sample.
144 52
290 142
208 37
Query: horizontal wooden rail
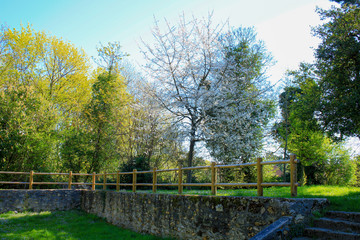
3 182
3 172
236 165
197 184
82 174
41 173
167 170
180 184
143 172
236 184
199 167
49 183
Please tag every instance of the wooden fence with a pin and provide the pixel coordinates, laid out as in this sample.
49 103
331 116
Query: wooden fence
180 184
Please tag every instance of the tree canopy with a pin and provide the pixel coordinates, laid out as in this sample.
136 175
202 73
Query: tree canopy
338 65
212 82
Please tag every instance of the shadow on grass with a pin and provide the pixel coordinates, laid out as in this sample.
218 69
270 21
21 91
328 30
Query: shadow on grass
62 225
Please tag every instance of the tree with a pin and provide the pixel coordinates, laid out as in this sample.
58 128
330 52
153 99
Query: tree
103 118
338 65
43 84
342 2
213 84
184 62
100 117
320 157
357 172
239 108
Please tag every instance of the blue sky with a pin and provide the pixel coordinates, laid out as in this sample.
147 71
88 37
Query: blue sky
284 25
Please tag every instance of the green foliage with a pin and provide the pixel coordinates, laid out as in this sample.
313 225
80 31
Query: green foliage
42 84
320 157
139 163
356 181
100 116
58 116
27 138
342 2
322 101
338 65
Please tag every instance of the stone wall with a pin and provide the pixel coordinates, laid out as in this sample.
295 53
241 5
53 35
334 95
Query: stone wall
195 217
39 200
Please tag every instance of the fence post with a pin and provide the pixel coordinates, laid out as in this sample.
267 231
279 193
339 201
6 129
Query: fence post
70 179
118 181
180 185
259 177
134 180
93 181
31 179
154 180
213 179
293 177
104 181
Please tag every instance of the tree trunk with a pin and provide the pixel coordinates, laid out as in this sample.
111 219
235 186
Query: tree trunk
191 153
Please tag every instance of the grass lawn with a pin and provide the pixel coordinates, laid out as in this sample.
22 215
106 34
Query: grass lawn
341 198
62 225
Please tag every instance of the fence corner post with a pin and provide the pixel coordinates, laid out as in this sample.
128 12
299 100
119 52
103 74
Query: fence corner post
31 180
259 167
70 180
293 176
213 179
154 180
134 181
180 185
118 181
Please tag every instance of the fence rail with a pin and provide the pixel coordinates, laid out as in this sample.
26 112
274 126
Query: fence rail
180 184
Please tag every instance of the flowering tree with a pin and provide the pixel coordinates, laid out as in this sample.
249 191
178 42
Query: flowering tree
199 73
240 106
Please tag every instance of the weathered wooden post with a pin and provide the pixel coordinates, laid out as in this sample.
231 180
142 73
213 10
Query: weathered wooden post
134 181
213 179
180 185
259 177
293 175
93 181
118 181
70 180
31 180
154 180
104 182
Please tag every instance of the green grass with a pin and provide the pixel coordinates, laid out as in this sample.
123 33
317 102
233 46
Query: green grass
341 198
62 225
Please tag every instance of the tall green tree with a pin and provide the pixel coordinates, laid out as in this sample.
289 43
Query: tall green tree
43 82
338 66
92 142
320 157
